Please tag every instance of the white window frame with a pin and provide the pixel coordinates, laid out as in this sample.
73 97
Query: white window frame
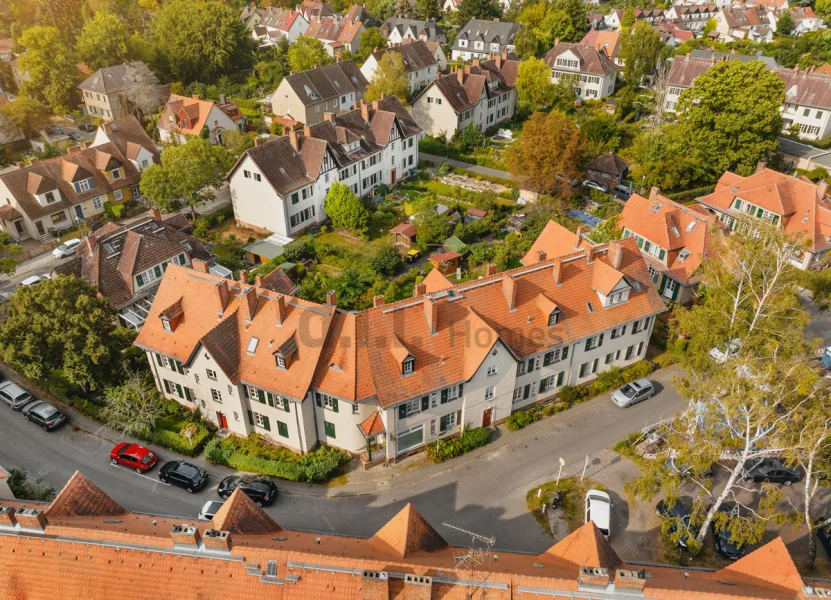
216 396
211 374
490 392
492 370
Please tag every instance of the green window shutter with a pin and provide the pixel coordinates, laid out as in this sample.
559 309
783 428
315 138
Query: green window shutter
461 389
738 203
542 384
329 429
282 429
261 396
250 417
179 391
564 354
245 391
286 406
600 340
640 242
560 378
547 359
402 411
334 405
459 417
444 396
270 397
588 344
425 402
159 359
157 270
662 254
775 219
188 394
166 385
180 368
266 424
443 423
760 212
181 259
647 246
139 280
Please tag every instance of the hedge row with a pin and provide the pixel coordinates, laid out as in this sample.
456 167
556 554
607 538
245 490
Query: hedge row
176 442
692 194
570 395
471 439
318 466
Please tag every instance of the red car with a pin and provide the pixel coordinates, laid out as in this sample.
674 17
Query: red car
133 456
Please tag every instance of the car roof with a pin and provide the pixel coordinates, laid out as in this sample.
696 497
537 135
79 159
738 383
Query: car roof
135 450
186 469
642 382
30 280
13 388
600 506
43 408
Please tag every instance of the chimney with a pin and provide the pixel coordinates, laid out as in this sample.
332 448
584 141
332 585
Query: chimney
505 54
556 41
293 139
222 99
594 576
578 236
431 312
249 303
822 187
541 256
74 149
257 141
185 535
475 62
221 296
615 253
365 110
418 587
419 290
761 166
460 74
498 60
195 96
490 270
796 69
156 214
281 309
375 105
509 289
217 540
31 518
378 301
590 255
196 264
331 298
375 585
307 131
630 580
7 516
328 116
243 276
653 192
557 271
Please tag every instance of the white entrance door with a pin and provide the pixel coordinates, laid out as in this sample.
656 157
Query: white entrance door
669 288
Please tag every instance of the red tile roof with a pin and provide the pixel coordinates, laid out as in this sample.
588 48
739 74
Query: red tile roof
373 425
592 60
239 514
586 547
555 240
407 533
436 282
405 229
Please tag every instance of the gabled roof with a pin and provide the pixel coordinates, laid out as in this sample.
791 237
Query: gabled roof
586 547
198 112
240 515
496 31
770 564
407 534
604 41
415 55
592 60
436 282
463 88
684 70
110 80
330 81
806 88
415 27
609 163
343 368
555 240
740 16
80 498
373 425
405 229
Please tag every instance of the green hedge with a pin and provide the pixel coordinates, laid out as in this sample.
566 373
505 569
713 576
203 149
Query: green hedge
616 377
471 439
254 456
691 194
176 442
523 418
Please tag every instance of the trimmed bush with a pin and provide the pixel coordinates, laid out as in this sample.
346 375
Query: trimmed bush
616 377
470 439
519 419
253 455
176 442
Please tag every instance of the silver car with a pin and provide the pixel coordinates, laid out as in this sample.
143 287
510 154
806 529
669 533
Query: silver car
14 395
209 510
632 393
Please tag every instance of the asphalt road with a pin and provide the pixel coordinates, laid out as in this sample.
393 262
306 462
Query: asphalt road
485 494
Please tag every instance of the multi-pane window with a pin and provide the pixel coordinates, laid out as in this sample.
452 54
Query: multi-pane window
216 395
211 374
490 392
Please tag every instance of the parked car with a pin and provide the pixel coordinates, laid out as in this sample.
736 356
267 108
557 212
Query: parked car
632 393
133 456
57 131
599 511
43 414
14 395
771 470
183 474
86 127
74 136
823 528
209 510
68 248
680 512
595 185
721 538
622 192
728 350
35 280
259 489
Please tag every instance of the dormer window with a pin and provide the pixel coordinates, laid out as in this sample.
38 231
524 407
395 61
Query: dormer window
281 361
84 185
166 325
554 317
50 197
408 366
285 354
116 173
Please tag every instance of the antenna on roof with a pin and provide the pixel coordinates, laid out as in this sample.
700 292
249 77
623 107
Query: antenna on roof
474 559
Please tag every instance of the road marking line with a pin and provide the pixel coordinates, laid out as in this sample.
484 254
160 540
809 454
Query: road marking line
153 479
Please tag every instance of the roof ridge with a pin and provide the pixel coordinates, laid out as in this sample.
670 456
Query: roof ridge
81 498
239 514
408 533
586 547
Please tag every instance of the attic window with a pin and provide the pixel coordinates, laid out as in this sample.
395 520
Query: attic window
554 317
682 256
252 345
691 226
636 285
166 324
281 361
337 83
282 171
408 366
675 231
590 307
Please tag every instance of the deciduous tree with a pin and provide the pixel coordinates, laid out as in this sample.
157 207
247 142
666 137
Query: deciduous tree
66 16
428 10
346 210
785 24
10 254
477 9
133 407
7 81
62 324
640 51
307 53
559 164
371 39
389 78
51 67
731 118
628 18
431 227
24 115
188 174
534 88
381 9
103 41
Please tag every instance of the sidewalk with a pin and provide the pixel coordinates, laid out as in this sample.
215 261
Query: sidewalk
378 479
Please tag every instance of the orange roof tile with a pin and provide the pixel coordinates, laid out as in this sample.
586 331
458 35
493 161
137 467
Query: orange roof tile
373 424
770 564
555 240
436 282
437 259
407 533
586 547
239 514
80 498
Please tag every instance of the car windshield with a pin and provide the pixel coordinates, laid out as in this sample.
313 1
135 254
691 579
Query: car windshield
22 395
126 449
63 247
259 486
47 411
599 499
628 391
147 458
188 471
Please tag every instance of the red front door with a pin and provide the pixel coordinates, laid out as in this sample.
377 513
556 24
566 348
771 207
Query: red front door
223 422
486 418
392 176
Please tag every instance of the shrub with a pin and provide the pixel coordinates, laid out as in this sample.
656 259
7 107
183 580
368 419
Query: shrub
24 490
253 455
176 442
518 420
114 210
470 439
571 394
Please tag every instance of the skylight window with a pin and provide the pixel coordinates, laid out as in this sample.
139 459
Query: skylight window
636 285
691 226
675 231
282 171
590 307
252 345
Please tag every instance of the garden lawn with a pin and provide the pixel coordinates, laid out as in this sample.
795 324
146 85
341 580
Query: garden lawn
360 249
573 493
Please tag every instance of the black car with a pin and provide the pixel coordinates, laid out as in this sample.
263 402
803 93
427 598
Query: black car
771 470
183 474
43 414
260 490
824 532
679 511
721 537
86 127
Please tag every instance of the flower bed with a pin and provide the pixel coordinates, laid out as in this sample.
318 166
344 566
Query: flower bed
470 439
